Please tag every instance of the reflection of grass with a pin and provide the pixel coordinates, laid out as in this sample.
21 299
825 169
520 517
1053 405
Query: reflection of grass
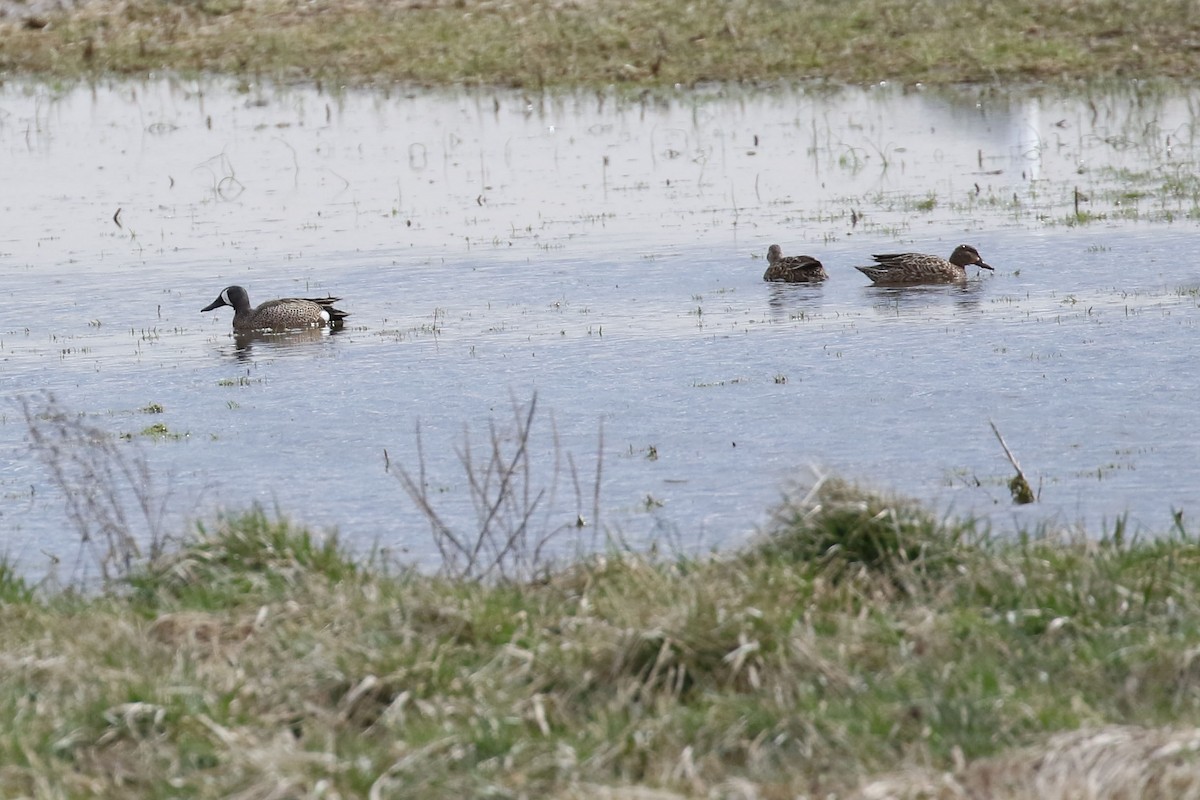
550 42
861 637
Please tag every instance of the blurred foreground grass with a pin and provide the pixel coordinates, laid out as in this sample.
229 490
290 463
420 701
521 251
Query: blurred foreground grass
862 639
581 43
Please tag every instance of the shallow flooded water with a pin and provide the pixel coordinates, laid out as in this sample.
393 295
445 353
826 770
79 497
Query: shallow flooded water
604 255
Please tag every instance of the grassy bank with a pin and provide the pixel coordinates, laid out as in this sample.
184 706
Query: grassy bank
862 638
535 43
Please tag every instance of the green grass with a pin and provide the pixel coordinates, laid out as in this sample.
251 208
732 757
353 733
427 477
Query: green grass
860 636
536 43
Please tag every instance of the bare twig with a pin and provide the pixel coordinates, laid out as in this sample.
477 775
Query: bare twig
517 520
111 493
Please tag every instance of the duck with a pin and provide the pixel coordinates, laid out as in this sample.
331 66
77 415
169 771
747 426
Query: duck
890 268
287 313
792 269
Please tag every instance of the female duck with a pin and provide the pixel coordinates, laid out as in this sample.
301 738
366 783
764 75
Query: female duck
792 269
921 268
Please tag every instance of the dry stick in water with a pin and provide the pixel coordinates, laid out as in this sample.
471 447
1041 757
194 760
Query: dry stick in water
1019 485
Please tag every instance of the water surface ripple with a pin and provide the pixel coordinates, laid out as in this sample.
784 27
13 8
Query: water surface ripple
604 254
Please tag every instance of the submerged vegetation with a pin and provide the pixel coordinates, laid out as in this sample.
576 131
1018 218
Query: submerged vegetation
859 637
541 43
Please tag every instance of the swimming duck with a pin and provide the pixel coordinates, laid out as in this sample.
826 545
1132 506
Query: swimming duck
792 269
287 313
922 268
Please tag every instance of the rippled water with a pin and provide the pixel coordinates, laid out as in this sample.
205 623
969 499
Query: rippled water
604 254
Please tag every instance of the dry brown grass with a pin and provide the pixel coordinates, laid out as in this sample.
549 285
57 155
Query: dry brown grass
537 43
1110 763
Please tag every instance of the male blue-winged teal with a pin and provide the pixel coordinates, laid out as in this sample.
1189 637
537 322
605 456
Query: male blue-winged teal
288 313
792 269
921 268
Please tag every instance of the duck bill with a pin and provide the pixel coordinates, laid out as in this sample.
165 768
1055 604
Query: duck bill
981 265
214 304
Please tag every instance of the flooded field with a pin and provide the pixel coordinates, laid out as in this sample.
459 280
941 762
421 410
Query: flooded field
604 255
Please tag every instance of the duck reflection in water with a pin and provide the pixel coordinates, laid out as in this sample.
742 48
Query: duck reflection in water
788 301
918 299
244 342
